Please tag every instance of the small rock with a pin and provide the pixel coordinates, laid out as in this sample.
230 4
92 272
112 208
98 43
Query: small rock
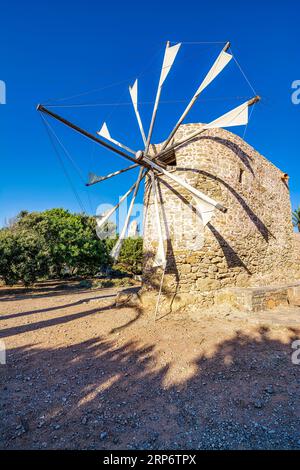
103 435
269 389
258 404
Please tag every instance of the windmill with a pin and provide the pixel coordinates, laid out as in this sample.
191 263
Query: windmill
152 165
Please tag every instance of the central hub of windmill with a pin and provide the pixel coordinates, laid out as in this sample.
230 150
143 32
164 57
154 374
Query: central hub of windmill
139 155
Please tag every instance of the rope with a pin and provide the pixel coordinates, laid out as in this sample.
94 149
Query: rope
246 128
105 87
242 72
79 172
198 42
50 134
127 103
111 85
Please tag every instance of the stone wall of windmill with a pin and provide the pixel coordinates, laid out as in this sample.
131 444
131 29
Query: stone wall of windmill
249 245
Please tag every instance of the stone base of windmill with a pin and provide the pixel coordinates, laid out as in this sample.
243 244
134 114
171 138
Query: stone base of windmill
244 299
255 299
248 299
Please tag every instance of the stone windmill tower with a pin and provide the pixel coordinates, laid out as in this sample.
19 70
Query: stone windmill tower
251 244
217 213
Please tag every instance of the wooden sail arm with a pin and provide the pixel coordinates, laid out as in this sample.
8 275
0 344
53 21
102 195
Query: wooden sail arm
90 136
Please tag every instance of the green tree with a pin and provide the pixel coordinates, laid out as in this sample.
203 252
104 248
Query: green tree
52 243
296 218
131 255
21 256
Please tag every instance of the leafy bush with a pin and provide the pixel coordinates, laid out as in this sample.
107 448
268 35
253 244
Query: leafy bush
296 218
53 243
56 244
22 256
131 255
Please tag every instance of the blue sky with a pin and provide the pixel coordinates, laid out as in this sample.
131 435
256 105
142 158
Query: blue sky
63 49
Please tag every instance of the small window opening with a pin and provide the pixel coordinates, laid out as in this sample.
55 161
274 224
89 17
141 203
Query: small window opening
169 158
241 175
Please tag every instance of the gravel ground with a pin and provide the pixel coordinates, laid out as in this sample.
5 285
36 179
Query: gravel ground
83 374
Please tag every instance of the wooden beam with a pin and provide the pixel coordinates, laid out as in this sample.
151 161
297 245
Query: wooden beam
90 136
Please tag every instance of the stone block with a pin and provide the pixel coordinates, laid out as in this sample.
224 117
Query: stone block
294 295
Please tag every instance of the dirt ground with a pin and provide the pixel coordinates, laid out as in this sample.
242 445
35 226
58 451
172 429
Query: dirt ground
83 374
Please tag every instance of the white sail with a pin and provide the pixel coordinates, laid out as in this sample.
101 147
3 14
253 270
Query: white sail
104 217
184 184
115 252
223 59
236 117
104 132
169 57
134 98
160 259
93 178
204 210
221 62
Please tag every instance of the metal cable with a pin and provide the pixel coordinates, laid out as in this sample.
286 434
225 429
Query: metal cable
51 134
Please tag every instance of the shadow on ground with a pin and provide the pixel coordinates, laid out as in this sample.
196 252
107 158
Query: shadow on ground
103 395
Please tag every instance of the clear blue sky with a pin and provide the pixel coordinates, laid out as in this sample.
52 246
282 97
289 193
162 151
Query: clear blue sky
60 48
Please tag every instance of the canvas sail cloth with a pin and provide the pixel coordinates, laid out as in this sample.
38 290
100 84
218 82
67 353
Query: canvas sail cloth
115 252
104 132
93 178
169 57
160 259
222 60
204 210
101 220
236 117
134 98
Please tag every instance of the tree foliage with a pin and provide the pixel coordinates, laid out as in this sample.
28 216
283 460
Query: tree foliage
296 218
131 255
56 243
52 243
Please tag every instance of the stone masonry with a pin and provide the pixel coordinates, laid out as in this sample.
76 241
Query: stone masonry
251 245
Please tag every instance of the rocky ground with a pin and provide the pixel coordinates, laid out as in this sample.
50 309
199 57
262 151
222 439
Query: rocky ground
83 374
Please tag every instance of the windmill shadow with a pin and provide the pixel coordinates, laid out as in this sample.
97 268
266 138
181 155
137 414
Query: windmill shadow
103 394
231 256
261 227
243 156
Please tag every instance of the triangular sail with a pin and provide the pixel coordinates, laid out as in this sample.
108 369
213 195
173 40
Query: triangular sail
134 98
115 252
104 217
236 117
104 132
93 178
198 194
222 60
204 210
169 57
160 259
